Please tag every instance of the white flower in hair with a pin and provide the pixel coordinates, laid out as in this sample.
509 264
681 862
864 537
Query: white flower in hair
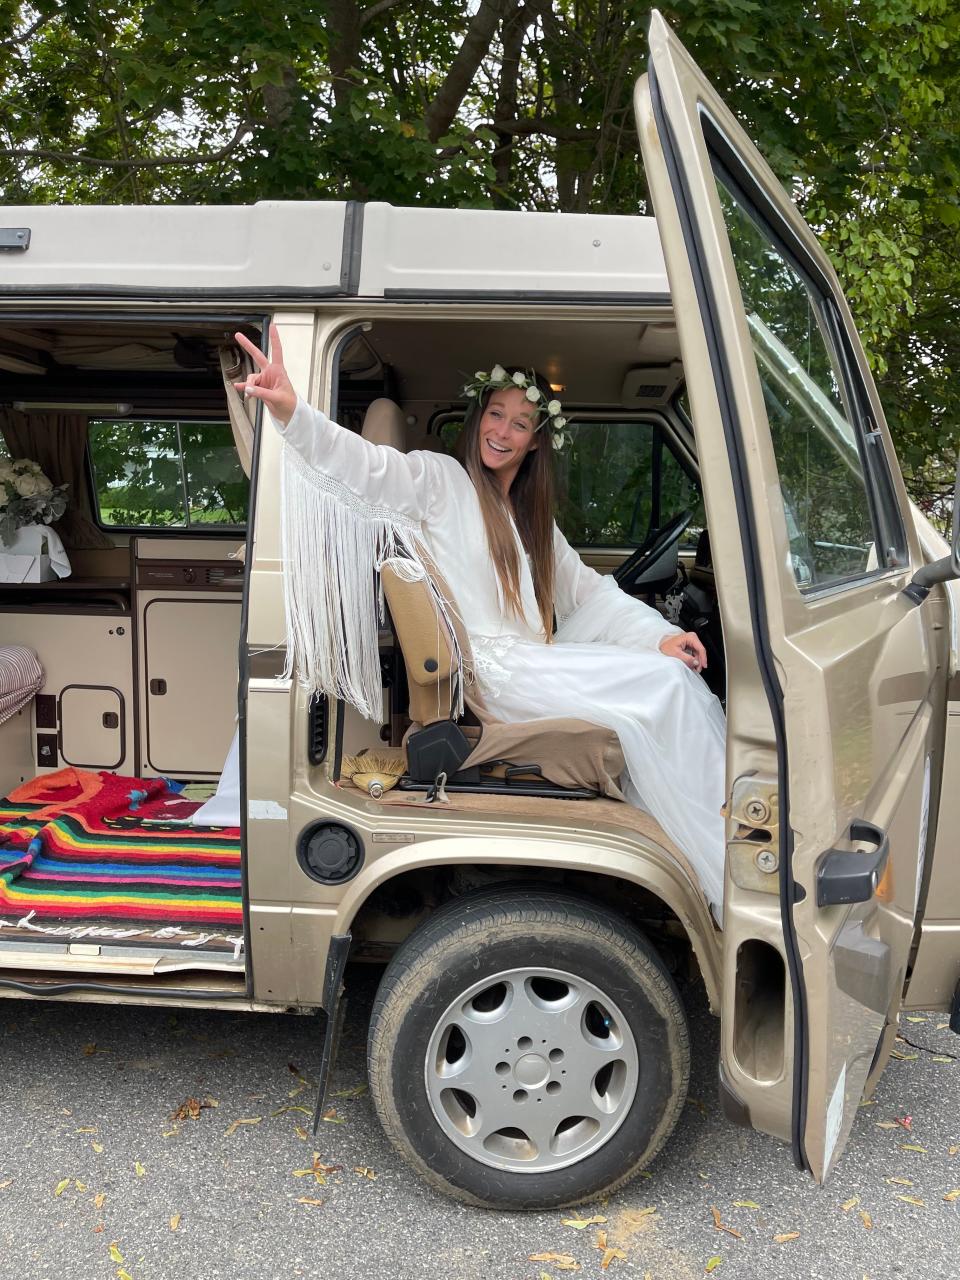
498 373
520 378
559 440
533 394
553 408
559 423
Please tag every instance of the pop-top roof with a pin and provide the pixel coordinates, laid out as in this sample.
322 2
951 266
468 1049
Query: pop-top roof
311 249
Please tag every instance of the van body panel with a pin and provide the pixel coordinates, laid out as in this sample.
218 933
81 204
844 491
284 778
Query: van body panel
175 249
853 675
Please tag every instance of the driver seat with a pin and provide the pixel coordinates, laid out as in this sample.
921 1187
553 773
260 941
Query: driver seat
562 757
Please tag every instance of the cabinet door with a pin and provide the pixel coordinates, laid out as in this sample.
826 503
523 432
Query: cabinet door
190 665
92 726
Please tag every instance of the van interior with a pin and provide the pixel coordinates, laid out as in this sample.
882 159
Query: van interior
139 645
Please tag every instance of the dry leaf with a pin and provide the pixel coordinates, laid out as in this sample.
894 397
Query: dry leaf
866 1220
171 1133
952 1151
365 1172
787 1235
562 1261
80 1186
7 1182
357 1091
887 1124
609 1254
912 1146
941 1057
721 1226
916 1019
850 1204
745 1204
904 1057
953 1195
331 1117
100 1199
235 1125
62 1186
210 1102
175 1222
98 1228
913 1200
115 1253
189 1110
98 1147
123 1275
308 1200
301 1132
89 1050
579 1224
139 1170
87 1128
713 1263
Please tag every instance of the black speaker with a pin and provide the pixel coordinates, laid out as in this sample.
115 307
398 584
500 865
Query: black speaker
329 852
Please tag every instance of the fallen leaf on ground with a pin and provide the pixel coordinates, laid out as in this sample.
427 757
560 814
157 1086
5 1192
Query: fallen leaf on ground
867 1102
210 1102
357 1091
80 1186
904 1057
331 1117
721 1225
952 1151
580 1223
695 1102
912 1146
61 1186
100 1199
87 1128
850 1204
301 1132
171 1133
745 1204
7 1182
365 1172
124 1275
98 1147
174 1222
713 1263
610 1254
941 1057
562 1261
916 1019
235 1125
98 1228
189 1110
866 1220
139 1169
913 1200
115 1253
785 1236
308 1200
887 1124
950 1196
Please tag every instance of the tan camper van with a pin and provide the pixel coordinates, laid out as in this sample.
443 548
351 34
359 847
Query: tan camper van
730 465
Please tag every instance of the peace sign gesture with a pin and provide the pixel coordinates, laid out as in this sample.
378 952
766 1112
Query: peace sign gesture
270 383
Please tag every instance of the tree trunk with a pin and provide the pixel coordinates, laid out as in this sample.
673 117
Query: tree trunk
443 109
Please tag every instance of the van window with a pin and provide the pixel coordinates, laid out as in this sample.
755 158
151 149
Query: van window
620 481
824 489
167 474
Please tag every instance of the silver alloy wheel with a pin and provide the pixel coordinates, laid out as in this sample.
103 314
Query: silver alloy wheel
531 1070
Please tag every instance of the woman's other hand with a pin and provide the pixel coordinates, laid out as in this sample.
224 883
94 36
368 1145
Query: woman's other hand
270 383
687 647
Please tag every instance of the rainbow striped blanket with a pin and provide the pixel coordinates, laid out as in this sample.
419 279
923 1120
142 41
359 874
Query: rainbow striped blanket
108 859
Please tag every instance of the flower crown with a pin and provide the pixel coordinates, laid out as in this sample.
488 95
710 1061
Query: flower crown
498 379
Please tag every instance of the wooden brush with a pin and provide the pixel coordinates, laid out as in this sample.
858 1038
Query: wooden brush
372 772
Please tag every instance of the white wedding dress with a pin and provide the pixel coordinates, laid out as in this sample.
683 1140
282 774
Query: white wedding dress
344 497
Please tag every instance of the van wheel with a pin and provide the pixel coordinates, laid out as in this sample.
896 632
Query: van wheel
527 1051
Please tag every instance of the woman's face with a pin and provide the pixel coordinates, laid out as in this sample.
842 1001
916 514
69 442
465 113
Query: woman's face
508 431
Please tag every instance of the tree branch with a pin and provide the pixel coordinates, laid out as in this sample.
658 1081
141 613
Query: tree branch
373 11
134 162
476 44
34 27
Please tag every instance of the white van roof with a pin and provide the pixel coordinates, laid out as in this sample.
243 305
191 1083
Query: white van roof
279 249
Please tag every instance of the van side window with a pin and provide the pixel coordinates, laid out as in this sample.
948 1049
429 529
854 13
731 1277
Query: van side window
827 499
619 482
167 474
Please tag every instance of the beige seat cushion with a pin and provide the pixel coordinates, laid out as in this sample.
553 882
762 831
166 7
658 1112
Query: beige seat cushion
384 423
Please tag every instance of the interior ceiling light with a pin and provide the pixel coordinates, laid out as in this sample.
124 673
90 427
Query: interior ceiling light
16 364
558 386
113 409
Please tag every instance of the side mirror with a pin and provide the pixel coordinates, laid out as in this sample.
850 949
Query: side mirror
945 570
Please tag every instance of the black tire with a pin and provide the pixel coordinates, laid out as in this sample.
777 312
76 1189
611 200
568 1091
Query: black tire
489 934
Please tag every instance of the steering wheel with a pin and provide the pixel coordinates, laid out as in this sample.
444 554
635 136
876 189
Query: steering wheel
646 556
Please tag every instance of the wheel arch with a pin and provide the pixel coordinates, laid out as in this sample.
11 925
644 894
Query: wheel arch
628 882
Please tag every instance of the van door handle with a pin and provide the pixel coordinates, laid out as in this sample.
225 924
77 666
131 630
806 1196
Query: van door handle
846 876
158 687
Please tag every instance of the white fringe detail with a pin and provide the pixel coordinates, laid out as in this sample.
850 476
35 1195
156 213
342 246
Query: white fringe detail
333 544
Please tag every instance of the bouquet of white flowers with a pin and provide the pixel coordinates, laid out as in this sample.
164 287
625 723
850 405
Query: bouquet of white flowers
27 496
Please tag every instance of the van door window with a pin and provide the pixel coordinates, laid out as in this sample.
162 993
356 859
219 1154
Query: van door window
827 499
619 482
167 474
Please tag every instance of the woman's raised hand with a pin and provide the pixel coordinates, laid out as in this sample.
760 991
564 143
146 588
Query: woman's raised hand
270 383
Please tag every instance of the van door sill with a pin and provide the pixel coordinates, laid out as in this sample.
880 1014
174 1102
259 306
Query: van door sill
74 958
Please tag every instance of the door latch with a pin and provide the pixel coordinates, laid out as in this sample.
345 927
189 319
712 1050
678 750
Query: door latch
753 851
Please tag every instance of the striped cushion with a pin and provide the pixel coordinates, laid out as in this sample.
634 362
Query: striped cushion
21 675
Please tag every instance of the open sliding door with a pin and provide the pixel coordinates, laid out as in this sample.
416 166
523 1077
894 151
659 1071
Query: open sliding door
830 667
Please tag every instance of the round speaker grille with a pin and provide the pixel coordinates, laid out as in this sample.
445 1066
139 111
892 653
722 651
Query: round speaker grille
329 852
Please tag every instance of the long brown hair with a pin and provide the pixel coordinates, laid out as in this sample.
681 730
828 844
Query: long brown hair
532 500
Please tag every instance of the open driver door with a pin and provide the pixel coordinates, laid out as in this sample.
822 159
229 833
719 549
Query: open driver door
832 672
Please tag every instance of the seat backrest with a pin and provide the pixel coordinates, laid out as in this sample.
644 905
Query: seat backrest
428 645
384 423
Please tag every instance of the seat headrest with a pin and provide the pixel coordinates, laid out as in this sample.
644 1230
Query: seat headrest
384 424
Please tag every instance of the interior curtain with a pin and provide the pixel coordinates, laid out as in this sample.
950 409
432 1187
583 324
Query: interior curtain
57 441
233 368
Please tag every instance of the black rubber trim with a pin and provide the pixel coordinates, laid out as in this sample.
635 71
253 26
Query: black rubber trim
534 295
352 248
334 1006
765 660
65 988
111 292
163 319
243 656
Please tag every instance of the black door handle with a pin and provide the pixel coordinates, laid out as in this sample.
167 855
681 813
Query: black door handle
845 876
158 687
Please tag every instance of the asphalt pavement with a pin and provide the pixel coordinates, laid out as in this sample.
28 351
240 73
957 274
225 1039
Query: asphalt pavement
108 1170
